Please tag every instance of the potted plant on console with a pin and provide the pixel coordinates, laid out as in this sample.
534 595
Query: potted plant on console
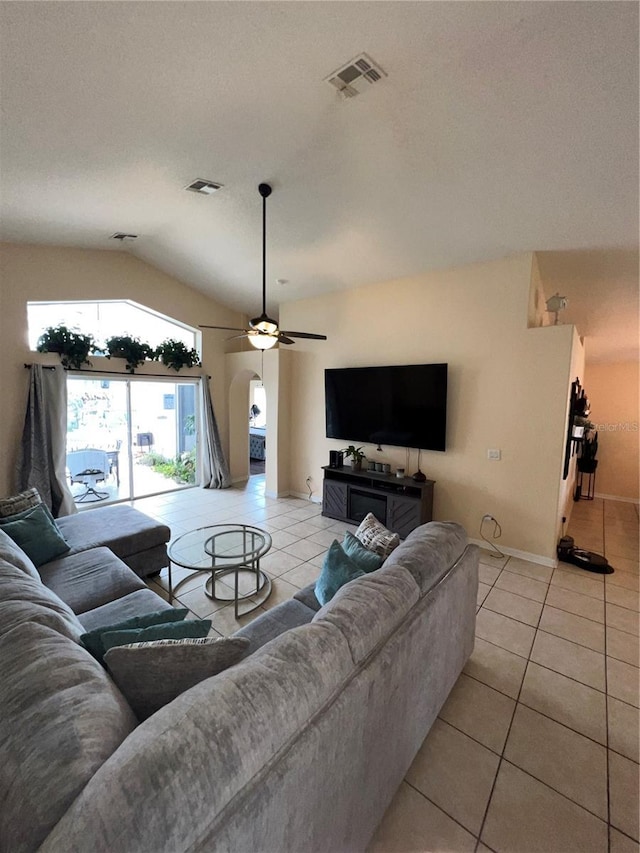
356 455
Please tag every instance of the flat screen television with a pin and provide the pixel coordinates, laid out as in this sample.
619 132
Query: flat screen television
404 406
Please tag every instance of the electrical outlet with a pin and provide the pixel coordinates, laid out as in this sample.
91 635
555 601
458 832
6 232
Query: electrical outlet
494 454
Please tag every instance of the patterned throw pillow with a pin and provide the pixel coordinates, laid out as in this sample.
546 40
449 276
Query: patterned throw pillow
152 674
18 503
375 536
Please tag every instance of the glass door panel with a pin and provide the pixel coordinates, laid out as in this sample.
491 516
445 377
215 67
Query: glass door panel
97 419
148 430
163 435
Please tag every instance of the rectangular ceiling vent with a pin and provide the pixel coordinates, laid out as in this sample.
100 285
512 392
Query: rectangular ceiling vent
356 76
201 185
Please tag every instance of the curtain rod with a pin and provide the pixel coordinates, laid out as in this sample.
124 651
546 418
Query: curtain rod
114 372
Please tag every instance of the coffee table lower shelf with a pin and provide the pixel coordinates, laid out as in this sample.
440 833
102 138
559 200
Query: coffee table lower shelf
263 584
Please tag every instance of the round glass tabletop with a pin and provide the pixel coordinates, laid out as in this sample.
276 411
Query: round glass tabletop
219 546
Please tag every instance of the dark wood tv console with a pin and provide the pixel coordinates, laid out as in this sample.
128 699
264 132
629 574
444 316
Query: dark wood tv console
400 503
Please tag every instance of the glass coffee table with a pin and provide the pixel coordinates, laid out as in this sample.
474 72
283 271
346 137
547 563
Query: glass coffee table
223 549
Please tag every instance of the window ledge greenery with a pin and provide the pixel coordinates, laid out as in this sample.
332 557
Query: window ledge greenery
74 348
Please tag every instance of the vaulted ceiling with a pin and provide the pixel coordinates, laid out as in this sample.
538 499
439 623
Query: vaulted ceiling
501 127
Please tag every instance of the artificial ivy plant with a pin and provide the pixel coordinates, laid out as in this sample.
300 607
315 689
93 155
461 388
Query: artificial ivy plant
132 349
177 355
72 347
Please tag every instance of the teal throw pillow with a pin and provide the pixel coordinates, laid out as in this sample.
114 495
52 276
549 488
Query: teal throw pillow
167 631
92 640
337 570
361 556
35 531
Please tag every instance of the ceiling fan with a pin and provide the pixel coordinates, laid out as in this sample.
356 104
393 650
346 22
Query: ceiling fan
263 332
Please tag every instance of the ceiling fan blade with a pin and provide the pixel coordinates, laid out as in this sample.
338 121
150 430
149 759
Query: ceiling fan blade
283 339
304 335
235 337
224 328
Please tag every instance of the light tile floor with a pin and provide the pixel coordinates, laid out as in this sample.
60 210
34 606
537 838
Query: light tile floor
536 748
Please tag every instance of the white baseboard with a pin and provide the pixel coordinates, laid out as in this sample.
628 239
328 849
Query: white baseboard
305 497
617 498
239 480
550 562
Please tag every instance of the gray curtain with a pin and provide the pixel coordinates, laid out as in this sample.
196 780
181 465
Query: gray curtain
42 457
213 465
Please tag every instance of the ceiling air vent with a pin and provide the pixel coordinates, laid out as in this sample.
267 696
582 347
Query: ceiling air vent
356 76
203 186
124 238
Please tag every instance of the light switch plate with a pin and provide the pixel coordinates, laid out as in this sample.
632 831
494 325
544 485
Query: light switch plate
494 454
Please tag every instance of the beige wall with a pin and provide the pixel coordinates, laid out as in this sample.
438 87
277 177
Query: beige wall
612 390
507 389
537 311
29 273
567 487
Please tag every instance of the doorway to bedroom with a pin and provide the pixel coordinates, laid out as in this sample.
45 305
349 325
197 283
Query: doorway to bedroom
257 427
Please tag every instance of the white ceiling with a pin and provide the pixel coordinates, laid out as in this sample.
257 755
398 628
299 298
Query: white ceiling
501 127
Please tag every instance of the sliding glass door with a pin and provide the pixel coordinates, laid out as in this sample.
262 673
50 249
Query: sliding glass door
147 428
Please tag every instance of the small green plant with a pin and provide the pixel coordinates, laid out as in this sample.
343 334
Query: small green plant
356 455
73 347
182 469
177 355
132 349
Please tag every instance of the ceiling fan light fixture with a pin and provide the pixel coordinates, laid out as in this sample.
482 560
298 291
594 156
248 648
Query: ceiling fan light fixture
262 341
264 324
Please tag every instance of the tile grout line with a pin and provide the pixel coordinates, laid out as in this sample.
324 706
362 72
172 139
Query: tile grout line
506 740
444 811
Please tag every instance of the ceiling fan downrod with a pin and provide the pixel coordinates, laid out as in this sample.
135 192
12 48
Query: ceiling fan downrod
263 323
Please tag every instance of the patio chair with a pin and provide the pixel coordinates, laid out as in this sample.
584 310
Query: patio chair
89 467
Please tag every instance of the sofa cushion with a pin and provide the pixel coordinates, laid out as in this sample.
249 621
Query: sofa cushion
337 570
389 593
35 531
150 675
364 559
12 553
375 536
429 551
307 595
24 599
61 717
17 503
93 640
289 614
123 529
138 603
88 579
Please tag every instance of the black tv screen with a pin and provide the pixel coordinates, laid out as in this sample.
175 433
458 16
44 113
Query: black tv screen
404 406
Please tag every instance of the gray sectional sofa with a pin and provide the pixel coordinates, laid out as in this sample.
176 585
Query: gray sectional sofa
299 747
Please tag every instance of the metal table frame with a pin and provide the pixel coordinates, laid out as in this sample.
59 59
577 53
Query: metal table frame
254 544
